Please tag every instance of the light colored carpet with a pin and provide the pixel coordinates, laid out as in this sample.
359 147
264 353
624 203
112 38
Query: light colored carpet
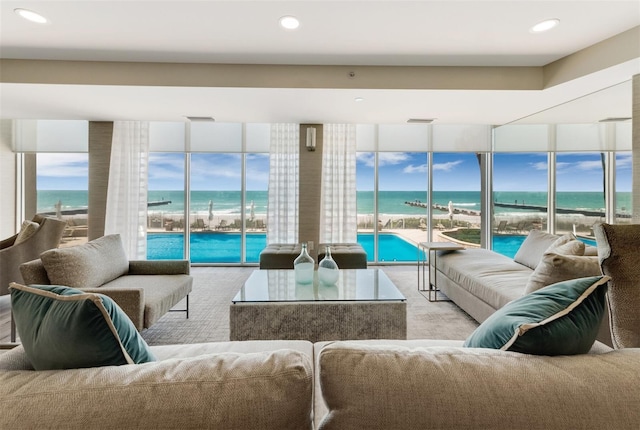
214 287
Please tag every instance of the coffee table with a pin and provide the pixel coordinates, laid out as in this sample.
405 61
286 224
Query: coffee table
364 304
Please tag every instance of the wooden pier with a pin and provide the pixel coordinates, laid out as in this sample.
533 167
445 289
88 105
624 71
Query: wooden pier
537 208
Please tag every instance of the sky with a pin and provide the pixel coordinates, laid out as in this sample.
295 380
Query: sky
398 171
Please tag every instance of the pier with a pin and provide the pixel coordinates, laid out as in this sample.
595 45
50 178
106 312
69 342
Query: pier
534 208
85 210
537 208
442 208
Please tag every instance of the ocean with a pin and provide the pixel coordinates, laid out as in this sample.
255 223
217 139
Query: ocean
390 202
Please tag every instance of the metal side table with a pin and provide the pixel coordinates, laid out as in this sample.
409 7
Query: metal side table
425 252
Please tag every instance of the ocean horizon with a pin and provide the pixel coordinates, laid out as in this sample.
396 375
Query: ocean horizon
389 202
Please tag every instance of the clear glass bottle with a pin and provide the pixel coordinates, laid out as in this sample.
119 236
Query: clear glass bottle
328 270
303 267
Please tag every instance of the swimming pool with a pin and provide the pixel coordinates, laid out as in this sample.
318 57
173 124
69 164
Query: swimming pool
215 247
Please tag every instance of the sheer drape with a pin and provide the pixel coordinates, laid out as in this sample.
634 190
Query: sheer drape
282 212
126 211
338 209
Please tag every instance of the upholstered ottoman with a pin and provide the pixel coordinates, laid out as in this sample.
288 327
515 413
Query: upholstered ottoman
279 255
346 255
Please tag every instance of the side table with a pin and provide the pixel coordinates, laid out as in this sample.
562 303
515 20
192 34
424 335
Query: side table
426 250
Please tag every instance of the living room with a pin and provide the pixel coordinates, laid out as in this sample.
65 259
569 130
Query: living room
444 138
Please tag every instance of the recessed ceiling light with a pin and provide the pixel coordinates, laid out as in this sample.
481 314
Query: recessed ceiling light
289 22
359 99
30 15
545 25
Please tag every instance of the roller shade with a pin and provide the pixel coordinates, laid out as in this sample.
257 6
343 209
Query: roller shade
167 136
461 138
51 136
597 137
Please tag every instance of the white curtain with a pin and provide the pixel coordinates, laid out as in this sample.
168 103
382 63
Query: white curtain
338 209
126 212
282 212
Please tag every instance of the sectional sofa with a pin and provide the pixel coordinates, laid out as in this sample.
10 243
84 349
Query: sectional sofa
481 281
368 384
376 384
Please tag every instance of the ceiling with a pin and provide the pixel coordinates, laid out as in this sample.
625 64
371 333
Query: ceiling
460 34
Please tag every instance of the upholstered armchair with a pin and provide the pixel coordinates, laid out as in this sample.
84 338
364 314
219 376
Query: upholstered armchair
619 255
15 250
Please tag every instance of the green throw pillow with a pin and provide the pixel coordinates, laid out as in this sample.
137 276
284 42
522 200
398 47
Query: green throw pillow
65 328
560 319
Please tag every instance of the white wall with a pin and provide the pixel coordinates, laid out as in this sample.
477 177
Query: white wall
7 181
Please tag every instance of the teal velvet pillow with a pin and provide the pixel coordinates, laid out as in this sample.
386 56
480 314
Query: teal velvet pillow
559 319
65 328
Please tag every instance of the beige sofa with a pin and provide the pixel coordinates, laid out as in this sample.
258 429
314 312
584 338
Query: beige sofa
376 384
144 289
481 281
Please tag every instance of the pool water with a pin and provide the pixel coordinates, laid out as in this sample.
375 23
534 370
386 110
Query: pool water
211 247
508 245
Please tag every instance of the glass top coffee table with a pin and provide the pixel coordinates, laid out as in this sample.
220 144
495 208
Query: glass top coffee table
352 285
363 304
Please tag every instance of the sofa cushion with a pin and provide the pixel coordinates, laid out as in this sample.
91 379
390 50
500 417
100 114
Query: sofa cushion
491 277
377 387
561 319
161 292
262 390
86 266
65 328
27 230
535 244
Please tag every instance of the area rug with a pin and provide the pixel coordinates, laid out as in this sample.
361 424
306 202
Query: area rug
214 287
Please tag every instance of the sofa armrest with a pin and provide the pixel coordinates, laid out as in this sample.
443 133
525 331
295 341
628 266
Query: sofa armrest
130 300
33 272
159 267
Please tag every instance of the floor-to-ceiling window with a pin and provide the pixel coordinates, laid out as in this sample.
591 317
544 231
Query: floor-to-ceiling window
520 192
256 198
366 202
402 193
166 224
623 186
456 196
215 207
62 184
580 192
216 176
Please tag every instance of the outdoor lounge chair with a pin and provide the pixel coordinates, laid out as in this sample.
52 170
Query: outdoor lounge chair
200 224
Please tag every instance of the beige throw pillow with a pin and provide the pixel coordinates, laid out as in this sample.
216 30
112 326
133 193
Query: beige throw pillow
536 244
562 264
555 268
27 230
87 266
